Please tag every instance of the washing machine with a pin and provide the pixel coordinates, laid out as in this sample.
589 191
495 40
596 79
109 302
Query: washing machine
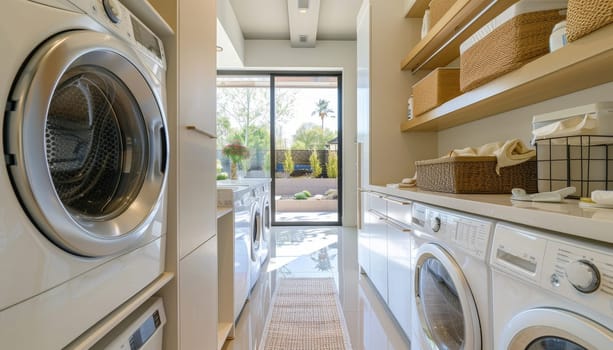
260 223
241 199
266 227
451 293
550 291
85 155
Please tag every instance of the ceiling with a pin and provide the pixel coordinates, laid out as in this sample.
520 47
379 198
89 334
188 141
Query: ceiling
281 20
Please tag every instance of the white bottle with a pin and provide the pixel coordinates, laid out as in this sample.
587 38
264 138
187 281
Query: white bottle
425 24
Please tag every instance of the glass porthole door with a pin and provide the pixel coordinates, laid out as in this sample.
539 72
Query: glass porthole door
87 144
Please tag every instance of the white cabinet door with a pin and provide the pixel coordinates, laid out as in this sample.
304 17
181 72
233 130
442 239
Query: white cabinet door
399 275
198 298
364 236
378 243
197 105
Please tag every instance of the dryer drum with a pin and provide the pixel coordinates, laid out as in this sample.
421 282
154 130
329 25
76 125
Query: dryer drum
88 153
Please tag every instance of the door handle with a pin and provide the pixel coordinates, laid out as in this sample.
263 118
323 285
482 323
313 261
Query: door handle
200 131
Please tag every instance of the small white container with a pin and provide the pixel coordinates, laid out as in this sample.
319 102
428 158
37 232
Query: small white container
425 24
557 39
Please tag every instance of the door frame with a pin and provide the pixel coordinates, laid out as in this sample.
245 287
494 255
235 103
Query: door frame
339 118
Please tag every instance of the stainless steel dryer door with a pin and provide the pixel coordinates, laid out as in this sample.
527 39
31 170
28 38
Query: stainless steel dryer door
87 143
444 302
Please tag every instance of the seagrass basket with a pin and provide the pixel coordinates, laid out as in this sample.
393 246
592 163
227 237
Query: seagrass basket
508 47
586 16
474 175
436 88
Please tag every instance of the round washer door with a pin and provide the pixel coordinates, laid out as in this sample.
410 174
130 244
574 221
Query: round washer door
552 329
87 143
444 302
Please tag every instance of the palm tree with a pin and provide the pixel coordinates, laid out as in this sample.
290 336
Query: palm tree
323 111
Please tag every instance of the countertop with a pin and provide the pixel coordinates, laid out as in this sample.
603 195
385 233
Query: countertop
566 217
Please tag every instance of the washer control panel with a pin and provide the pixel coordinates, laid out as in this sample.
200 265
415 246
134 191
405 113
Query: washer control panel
470 233
118 19
580 271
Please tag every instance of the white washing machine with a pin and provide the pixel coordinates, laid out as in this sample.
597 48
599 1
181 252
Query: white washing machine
260 223
451 280
241 199
550 291
85 151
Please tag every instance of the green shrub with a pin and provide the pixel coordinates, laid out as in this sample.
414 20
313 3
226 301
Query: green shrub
222 176
315 166
288 162
300 195
307 193
332 165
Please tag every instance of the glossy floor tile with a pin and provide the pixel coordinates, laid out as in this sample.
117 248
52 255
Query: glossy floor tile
320 252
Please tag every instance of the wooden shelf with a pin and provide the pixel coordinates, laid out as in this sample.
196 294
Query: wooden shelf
442 43
416 8
578 65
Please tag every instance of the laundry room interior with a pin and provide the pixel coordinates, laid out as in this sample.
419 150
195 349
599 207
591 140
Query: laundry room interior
306 174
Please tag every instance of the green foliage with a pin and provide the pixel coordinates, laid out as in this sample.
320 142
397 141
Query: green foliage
300 195
307 193
315 166
309 136
288 162
332 165
222 176
323 110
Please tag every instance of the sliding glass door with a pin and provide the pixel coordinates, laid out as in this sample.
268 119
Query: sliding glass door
305 149
291 126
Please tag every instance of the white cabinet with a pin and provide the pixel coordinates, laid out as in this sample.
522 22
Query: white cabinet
384 242
399 270
191 299
196 84
198 298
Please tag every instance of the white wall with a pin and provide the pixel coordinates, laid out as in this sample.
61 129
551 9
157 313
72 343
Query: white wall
326 55
516 123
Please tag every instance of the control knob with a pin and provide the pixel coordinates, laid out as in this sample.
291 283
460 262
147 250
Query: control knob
583 275
112 9
435 223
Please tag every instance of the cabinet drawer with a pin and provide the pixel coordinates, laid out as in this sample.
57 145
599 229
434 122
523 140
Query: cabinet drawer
399 209
377 203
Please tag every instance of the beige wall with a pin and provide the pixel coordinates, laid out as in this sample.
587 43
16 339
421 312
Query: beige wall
516 123
327 55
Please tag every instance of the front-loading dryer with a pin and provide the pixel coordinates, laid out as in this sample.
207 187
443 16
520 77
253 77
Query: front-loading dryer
550 291
85 146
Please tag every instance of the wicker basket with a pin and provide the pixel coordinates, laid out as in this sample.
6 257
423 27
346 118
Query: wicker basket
474 175
438 8
438 87
508 47
585 16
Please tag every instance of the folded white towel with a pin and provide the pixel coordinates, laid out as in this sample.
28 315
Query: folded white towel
603 197
568 127
508 153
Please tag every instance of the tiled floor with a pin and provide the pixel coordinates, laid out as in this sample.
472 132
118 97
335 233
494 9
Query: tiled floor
320 252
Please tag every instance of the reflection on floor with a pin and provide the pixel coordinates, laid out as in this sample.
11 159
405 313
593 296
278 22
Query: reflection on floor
309 216
320 252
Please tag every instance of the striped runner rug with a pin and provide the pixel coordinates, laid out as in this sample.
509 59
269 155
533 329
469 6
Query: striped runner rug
305 315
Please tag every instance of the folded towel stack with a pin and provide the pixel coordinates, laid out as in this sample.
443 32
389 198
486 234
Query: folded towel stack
508 153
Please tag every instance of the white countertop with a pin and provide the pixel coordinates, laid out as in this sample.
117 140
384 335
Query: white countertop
566 217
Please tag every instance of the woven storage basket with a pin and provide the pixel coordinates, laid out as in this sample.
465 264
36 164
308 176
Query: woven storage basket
436 88
585 16
508 47
474 175
438 8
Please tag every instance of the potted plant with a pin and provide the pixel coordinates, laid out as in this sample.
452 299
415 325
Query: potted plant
236 152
